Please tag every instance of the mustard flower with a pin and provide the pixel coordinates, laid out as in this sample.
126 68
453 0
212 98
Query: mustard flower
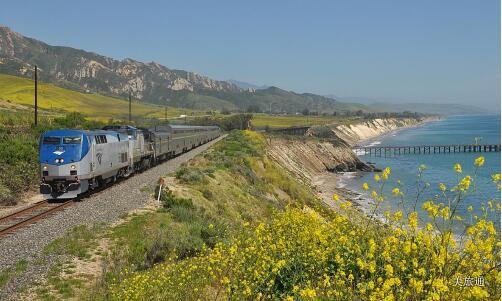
366 186
377 178
480 161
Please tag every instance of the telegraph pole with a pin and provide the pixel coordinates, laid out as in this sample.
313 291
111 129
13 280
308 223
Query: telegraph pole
165 114
36 100
130 100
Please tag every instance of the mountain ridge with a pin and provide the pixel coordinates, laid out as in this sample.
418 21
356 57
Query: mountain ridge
152 82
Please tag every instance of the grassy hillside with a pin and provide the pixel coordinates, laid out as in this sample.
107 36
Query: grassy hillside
20 90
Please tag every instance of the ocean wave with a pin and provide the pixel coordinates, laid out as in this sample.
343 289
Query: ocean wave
374 143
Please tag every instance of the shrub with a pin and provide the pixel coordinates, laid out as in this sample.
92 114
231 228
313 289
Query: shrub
189 175
169 200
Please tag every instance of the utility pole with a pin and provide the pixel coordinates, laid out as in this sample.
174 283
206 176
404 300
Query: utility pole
130 100
36 100
165 114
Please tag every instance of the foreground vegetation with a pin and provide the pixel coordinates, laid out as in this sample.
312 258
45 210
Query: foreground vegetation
302 254
234 225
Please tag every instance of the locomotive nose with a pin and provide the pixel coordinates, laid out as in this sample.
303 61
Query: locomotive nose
60 187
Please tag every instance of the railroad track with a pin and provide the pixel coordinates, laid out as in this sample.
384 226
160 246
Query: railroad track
29 215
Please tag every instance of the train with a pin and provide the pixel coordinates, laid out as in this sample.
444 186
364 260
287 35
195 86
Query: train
73 162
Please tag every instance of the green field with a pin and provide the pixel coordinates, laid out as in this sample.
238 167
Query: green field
19 90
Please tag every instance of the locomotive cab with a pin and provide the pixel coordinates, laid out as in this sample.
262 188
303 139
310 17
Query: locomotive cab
61 152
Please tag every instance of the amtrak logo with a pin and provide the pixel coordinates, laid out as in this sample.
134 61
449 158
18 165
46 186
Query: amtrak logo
99 156
59 151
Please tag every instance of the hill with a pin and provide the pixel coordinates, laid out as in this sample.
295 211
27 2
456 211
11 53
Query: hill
148 82
427 108
19 90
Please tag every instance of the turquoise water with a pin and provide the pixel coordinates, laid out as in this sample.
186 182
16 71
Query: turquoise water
439 167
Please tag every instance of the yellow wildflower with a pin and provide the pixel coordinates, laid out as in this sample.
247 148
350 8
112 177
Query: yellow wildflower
496 178
396 191
465 183
308 293
366 186
458 168
386 173
445 213
413 220
377 178
397 216
389 270
480 161
442 187
336 197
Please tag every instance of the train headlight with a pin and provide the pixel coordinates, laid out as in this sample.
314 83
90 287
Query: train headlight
59 160
44 168
73 167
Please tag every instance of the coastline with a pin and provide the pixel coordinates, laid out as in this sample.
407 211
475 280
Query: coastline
336 183
396 131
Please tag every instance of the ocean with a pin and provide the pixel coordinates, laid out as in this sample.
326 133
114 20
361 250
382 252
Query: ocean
439 167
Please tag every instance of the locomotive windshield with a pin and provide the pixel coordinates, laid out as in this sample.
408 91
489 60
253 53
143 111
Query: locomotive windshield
72 140
51 140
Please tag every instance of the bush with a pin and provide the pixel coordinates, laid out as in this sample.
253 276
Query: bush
169 200
189 175
6 197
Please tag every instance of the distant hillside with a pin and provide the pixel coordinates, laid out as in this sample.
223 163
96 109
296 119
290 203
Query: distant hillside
149 82
427 108
247 86
376 105
18 90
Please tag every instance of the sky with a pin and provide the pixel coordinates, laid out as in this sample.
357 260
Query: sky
428 50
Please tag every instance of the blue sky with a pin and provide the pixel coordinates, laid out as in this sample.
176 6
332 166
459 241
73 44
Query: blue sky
433 51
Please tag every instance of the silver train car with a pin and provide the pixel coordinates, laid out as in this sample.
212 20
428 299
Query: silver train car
75 161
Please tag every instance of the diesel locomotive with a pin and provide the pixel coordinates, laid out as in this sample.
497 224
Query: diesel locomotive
75 161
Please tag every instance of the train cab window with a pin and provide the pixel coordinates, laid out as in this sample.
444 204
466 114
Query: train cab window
51 140
72 140
100 139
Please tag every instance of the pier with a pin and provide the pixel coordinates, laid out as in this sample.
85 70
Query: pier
425 149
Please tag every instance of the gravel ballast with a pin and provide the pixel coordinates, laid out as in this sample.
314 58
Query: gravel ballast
105 207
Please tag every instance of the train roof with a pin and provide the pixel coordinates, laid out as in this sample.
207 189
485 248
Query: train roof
72 132
65 132
119 127
177 127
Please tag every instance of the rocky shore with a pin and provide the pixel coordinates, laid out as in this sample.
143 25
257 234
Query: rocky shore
325 160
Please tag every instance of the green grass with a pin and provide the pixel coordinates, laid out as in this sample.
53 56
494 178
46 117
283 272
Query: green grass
7 274
20 90
78 242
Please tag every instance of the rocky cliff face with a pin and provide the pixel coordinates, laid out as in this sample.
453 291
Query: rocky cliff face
369 129
310 157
